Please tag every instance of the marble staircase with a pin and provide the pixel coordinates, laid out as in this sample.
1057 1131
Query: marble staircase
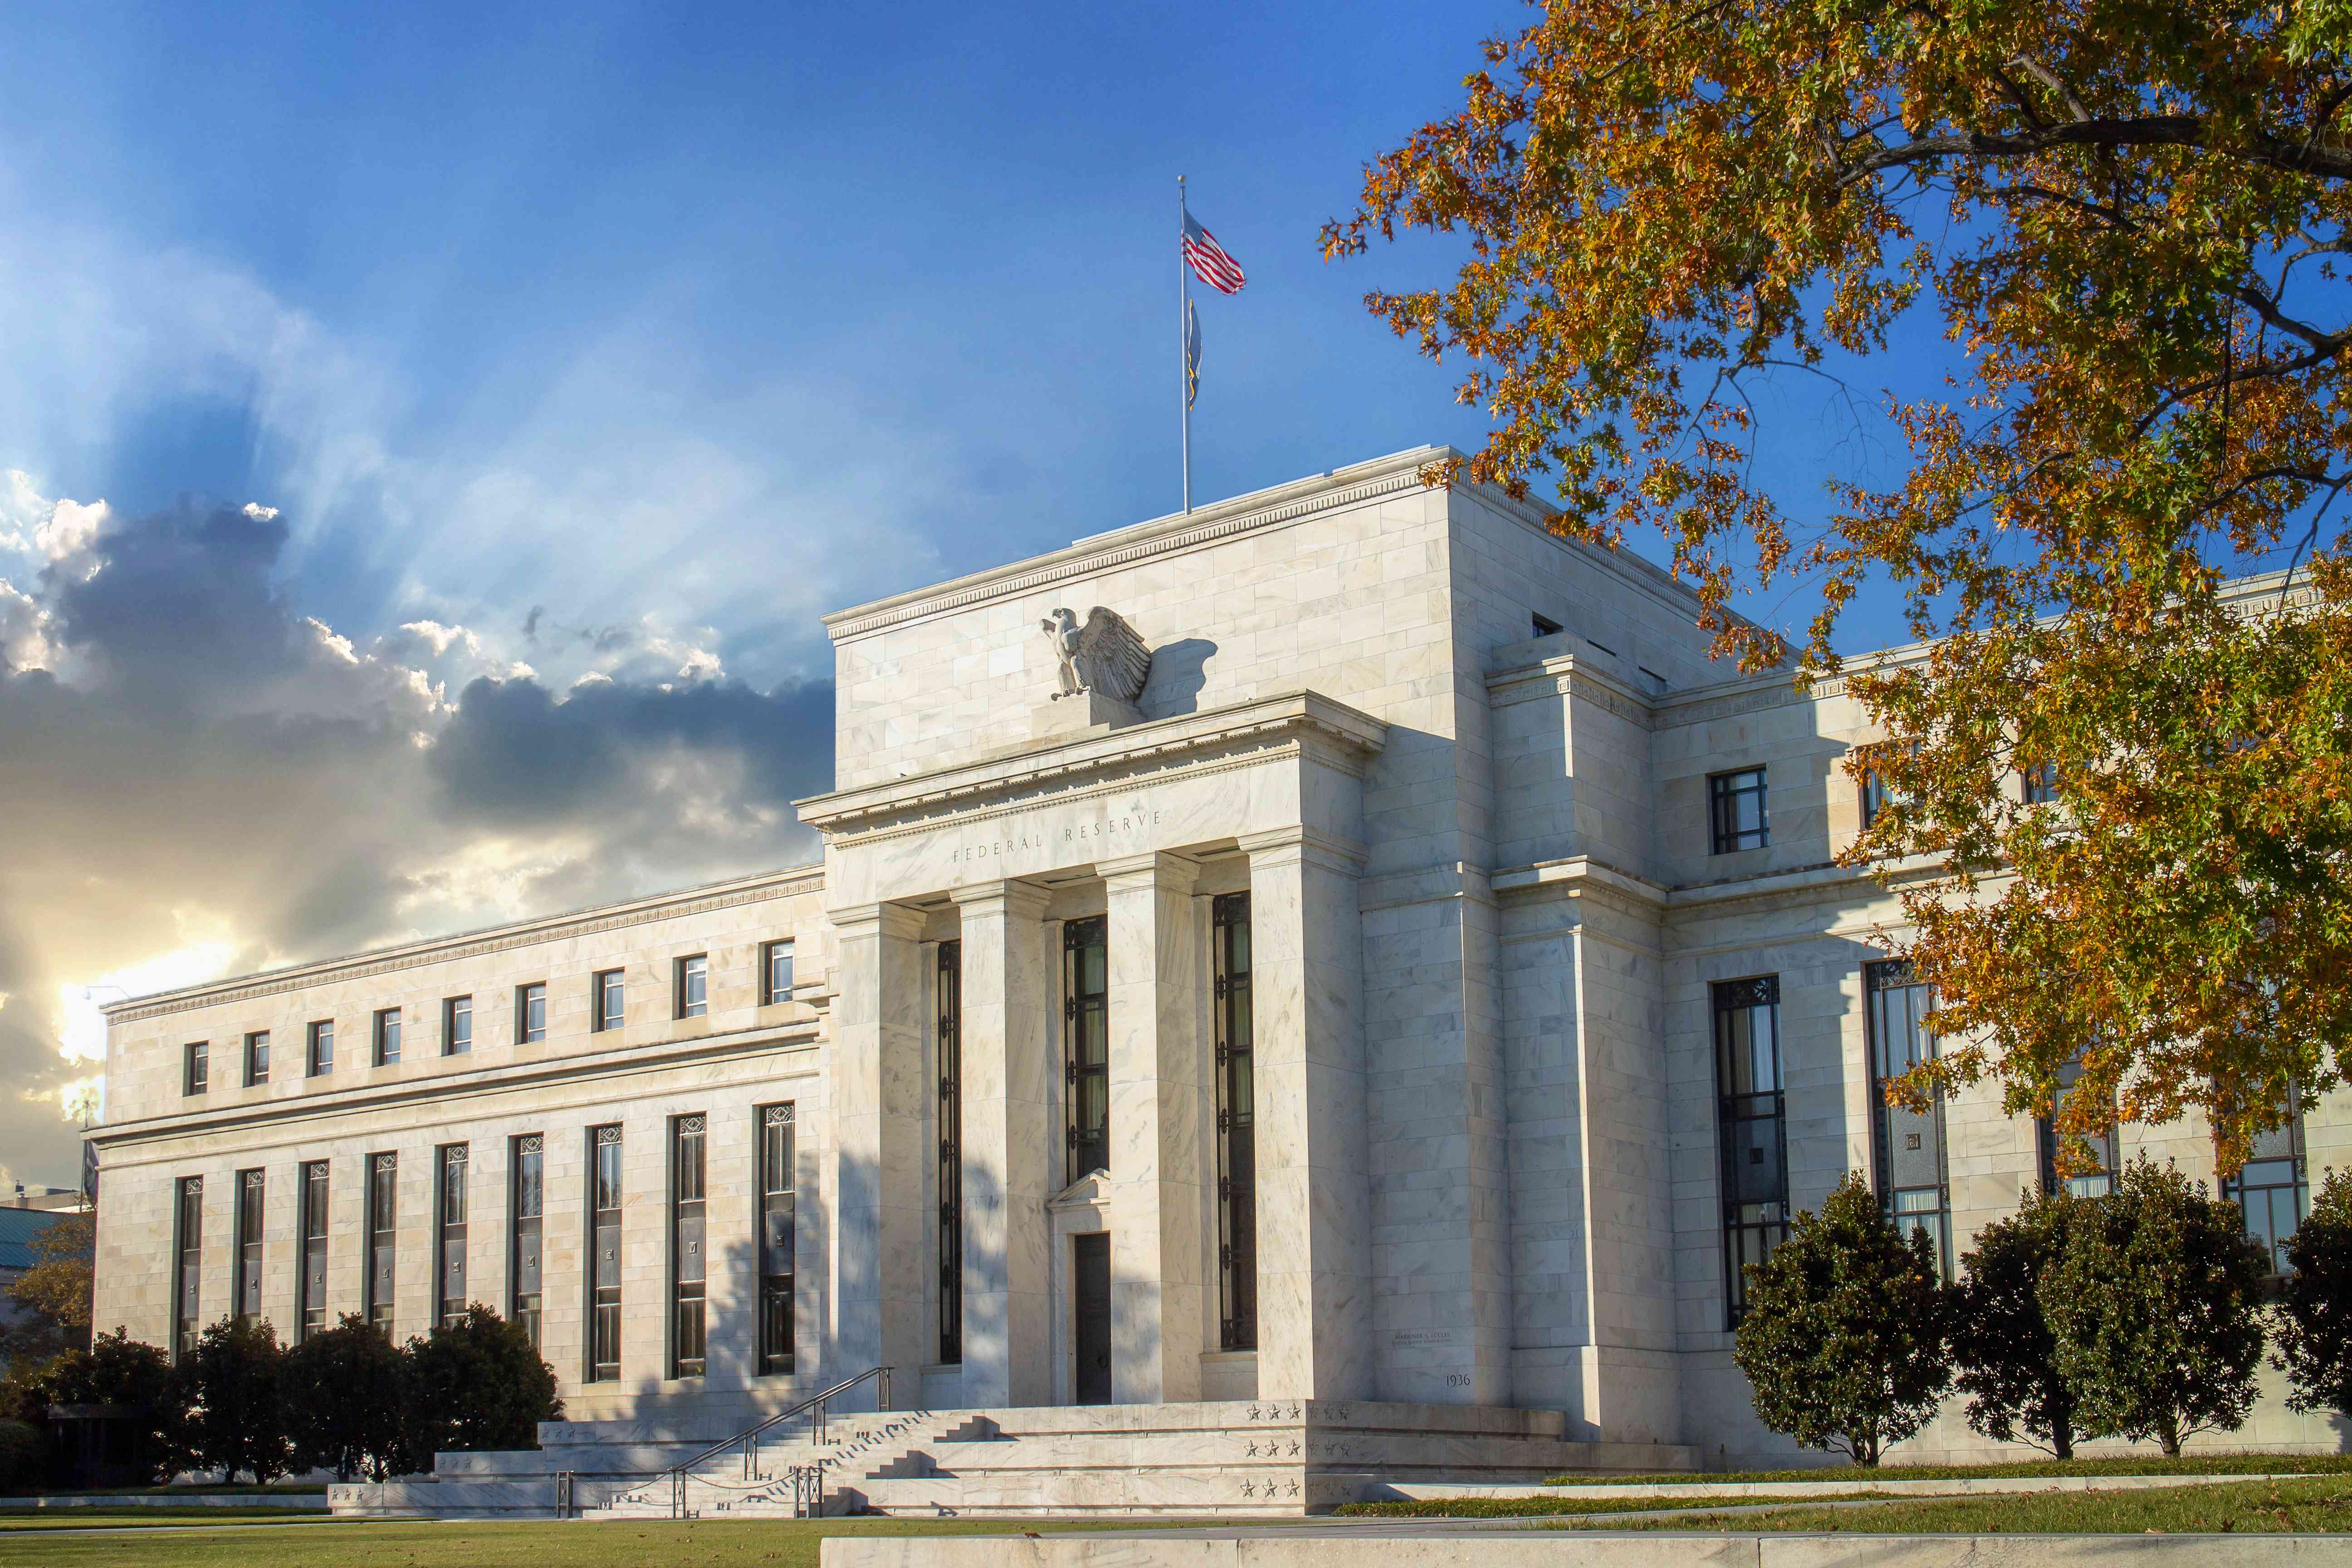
1238 1459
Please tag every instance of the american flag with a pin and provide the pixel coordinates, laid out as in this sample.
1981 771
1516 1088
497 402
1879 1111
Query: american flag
1209 262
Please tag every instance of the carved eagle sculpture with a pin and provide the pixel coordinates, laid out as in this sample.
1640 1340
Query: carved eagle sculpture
1106 655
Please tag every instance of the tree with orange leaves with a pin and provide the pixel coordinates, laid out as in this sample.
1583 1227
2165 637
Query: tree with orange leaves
2129 219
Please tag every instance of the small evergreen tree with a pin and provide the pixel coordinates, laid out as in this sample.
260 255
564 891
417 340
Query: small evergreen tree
129 1376
346 1398
2001 1343
477 1383
2155 1310
235 1381
2315 1304
1844 1341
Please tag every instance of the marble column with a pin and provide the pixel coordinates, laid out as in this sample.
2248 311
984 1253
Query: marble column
1159 1198
1314 1233
880 1096
1010 1141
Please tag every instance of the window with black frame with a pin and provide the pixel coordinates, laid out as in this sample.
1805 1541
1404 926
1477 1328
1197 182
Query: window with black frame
196 1068
2038 785
2273 1189
1751 1122
310 1285
950 1169
257 1058
1237 1126
775 973
777 1189
456 1026
691 986
1913 1181
529 1201
607 997
383 1238
387 1036
320 1050
690 1271
449 1250
251 1189
604 1255
2097 1178
1736 811
531 1013
188 1246
1085 1065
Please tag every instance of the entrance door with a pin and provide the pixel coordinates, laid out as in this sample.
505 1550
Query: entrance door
1091 1258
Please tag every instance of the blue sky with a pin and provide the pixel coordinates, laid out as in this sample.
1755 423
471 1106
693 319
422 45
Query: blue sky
429 434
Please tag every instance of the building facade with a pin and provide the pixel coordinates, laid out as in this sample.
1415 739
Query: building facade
1377 956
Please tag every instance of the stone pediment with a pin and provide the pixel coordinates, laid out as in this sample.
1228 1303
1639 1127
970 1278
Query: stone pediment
1087 1191
1338 733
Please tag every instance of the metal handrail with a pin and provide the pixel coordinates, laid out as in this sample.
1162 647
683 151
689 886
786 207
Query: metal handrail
814 1407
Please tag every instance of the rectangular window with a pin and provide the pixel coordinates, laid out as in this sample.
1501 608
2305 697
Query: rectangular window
319 1050
387 1036
528 1205
1734 804
251 1188
690 1271
2273 1188
457 1027
692 986
606 996
531 1014
2097 1180
775 973
1914 1183
310 1286
257 1057
382 1235
776 1238
449 1240
1237 1126
196 1071
605 1255
1085 1065
951 1170
1544 626
1873 796
2038 785
1751 1124
188 1246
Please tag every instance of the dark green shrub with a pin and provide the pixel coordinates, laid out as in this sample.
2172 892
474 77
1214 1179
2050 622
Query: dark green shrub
24 1457
2001 1344
132 1376
346 1397
2314 1336
235 1381
1844 1341
477 1383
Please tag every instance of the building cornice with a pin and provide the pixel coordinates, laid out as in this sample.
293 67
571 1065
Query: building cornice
475 944
1073 766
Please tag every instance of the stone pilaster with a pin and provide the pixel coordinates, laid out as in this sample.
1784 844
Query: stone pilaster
880 1096
1314 1235
1010 1144
1156 1170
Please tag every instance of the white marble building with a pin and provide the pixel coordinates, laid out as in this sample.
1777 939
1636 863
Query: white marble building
1412 995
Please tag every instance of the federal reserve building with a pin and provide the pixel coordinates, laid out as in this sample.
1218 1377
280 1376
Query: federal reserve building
1321 990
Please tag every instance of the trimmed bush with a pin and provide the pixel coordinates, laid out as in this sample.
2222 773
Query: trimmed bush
2314 1336
2001 1343
346 1399
234 1380
24 1457
477 1383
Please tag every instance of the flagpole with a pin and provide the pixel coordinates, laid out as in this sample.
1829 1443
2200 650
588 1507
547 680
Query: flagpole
1185 341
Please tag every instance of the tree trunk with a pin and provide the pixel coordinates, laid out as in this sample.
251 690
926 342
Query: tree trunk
2061 1439
2168 1434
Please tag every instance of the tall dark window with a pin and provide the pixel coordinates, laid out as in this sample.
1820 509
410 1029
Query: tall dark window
383 1238
387 1036
257 1057
693 987
449 1243
1873 796
776 1238
528 1205
690 1271
188 1245
1236 1127
252 1187
609 1009
531 1013
1914 1179
2039 784
1734 804
2099 1179
1751 1128
310 1285
950 1183
604 1254
1086 1026
2273 1188
775 973
457 1027
318 1051
196 1068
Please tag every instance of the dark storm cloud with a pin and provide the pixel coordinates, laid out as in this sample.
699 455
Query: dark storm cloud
203 764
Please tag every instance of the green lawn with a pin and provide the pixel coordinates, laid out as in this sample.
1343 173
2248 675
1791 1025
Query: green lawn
2132 1464
2320 1504
1544 1507
123 1518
